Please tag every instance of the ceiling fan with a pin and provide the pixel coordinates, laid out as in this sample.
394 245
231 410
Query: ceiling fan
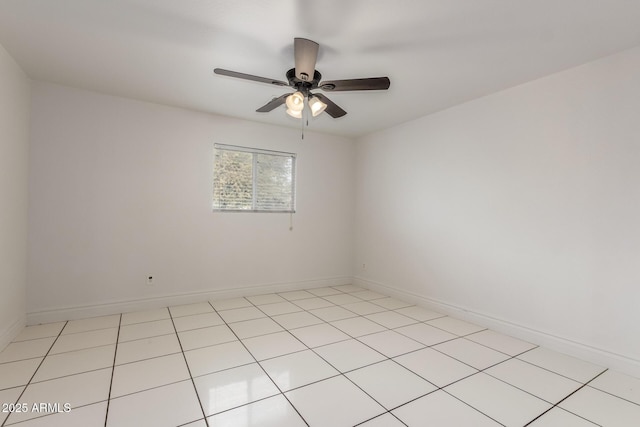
304 78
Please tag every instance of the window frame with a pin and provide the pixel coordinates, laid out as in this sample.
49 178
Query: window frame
254 177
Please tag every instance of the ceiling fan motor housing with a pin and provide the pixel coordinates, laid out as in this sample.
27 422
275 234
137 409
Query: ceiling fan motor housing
302 85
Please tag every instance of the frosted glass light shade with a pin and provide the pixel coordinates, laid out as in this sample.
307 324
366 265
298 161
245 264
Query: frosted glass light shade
316 106
295 101
295 114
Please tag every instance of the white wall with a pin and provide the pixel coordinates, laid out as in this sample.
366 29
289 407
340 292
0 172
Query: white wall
14 154
121 189
522 208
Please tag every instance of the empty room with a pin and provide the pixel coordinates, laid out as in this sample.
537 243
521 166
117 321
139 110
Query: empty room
288 213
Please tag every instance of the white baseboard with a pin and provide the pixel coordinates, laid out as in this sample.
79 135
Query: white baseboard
10 332
58 314
618 362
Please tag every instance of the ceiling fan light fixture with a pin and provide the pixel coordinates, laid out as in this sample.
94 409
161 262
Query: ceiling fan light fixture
303 78
294 114
295 102
316 106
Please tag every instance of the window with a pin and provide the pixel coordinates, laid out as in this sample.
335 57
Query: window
253 180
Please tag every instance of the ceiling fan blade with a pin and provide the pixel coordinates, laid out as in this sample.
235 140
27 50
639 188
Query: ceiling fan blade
332 109
306 54
273 104
372 83
238 75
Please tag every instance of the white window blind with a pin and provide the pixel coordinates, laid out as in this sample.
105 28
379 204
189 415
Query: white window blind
253 180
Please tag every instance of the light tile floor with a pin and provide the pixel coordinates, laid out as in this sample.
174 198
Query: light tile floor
328 357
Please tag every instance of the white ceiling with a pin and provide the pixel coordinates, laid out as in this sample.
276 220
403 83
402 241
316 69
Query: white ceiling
437 53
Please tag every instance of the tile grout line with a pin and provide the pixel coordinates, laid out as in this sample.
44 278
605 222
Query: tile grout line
261 367
146 338
149 358
477 372
330 323
88 330
79 349
20 360
184 356
390 358
144 321
387 358
31 339
611 394
495 349
340 373
515 386
415 322
353 337
70 375
433 347
453 382
356 315
382 415
547 369
469 405
512 385
232 408
528 392
113 369
36 371
604 391
426 322
565 398
152 388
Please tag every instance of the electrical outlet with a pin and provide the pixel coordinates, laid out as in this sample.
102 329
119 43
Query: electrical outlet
149 280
